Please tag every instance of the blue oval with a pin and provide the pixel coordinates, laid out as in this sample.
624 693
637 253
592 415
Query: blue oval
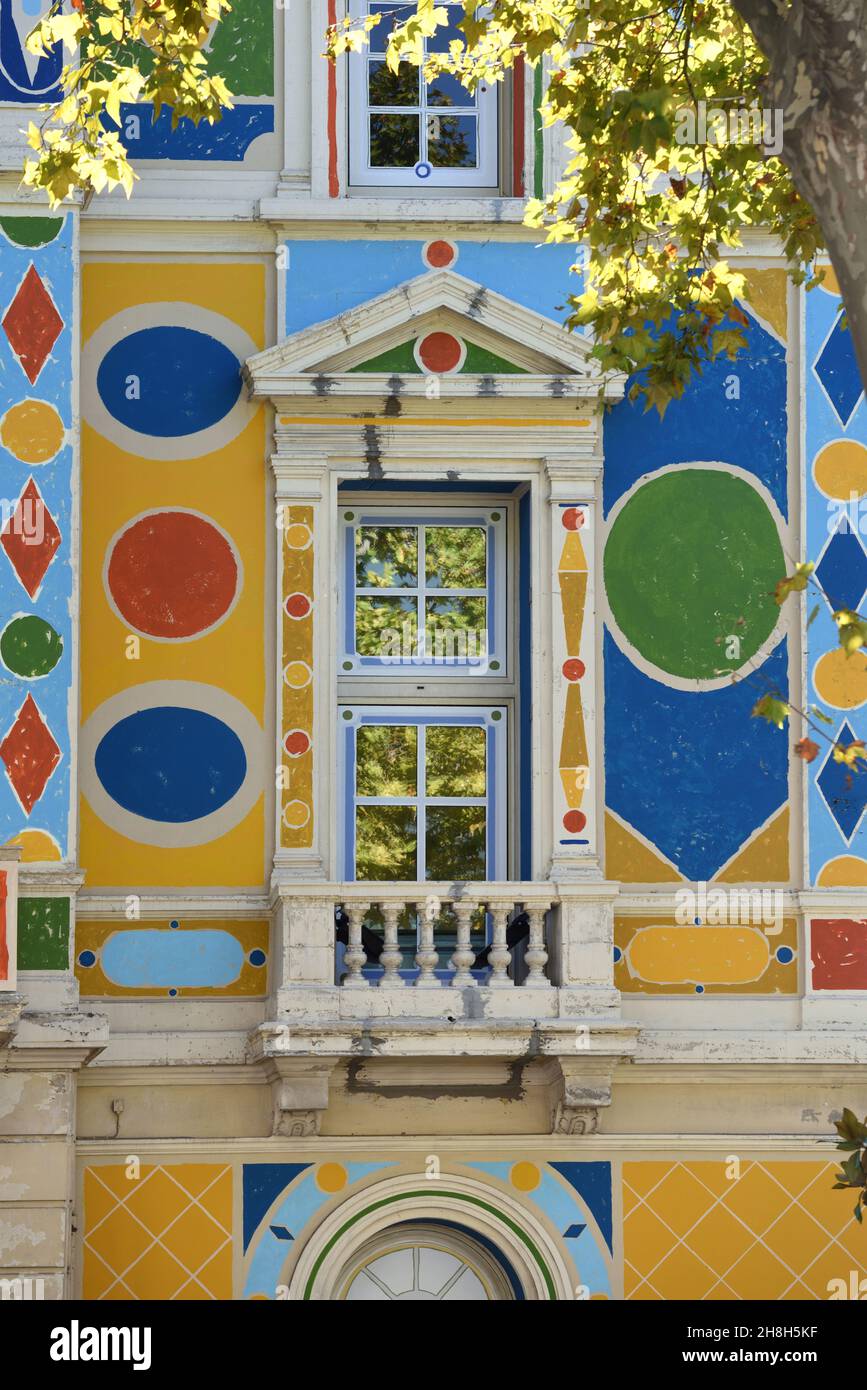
179 380
168 763
153 958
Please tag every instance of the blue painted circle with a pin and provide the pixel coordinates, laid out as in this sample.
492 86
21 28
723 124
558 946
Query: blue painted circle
699 989
423 170
174 925
257 957
172 993
617 954
86 958
169 382
168 763
785 954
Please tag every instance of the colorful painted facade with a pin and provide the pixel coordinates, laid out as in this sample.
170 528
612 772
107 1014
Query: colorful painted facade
397 898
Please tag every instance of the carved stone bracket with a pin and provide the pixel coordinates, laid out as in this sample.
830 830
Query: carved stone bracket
299 1094
585 1088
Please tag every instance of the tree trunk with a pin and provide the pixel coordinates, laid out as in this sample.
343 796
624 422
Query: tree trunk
817 51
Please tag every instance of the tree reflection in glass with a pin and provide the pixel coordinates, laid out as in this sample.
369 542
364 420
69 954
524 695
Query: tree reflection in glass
455 761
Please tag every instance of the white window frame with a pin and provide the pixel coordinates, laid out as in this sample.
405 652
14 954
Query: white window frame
496 520
494 719
484 176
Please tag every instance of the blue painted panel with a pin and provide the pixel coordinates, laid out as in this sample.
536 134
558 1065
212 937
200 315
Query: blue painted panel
151 957
25 79
55 265
186 381
227 140
171 764
691 770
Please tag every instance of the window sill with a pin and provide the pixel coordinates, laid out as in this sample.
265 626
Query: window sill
399 205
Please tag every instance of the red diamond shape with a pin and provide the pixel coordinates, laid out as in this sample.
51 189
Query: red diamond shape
32 324
30 754
30 538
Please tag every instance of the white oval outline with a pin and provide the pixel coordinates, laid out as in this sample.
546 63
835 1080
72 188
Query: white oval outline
164 314
189 695
696 684
155 511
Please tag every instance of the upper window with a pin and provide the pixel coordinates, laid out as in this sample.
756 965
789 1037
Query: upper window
424 591
405 132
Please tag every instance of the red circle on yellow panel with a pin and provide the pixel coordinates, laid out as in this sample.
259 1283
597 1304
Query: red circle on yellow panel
172 574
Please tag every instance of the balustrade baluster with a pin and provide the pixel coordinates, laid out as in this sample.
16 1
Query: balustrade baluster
391 959
464 954
535 956
499 956
426 957
355 956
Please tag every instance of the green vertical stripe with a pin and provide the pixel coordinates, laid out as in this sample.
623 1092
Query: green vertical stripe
538 146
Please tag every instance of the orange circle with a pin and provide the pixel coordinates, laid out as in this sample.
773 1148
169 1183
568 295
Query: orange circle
32 431
525 1176
440 352
298 536
840 470
846 871
440 253
841 680
331 1177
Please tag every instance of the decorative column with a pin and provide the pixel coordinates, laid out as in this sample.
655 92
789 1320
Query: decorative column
304 605
573 768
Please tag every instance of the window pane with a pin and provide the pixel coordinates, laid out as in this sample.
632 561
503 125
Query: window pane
386 557
455 842
456 628
451 141
385 760
448 33
455 557
456 761
386 627
448 90
385 843
393 88
394 15
394 142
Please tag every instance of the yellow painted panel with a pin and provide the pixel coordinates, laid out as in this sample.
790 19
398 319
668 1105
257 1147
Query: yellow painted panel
701 955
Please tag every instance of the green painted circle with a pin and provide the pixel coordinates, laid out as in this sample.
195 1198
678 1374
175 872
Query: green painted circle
691 553
30 647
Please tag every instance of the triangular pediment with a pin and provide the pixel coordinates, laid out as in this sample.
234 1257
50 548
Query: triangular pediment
411 331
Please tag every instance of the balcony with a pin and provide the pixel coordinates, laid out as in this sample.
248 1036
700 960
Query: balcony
399 975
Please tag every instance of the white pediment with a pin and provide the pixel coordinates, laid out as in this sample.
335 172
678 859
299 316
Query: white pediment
325 358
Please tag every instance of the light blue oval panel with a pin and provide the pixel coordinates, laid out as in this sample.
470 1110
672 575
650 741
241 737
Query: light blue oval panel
153 958
169 381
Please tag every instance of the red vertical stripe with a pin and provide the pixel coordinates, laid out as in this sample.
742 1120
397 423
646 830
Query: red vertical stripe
333 180
518 129
4 929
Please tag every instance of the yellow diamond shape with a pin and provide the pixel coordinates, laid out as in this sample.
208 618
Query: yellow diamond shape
682 1276
157 1201
119 1240
720 1239
156 1275
759 1276
797 1239
194 1238
757 1199
645 1239
98 1199
680 1200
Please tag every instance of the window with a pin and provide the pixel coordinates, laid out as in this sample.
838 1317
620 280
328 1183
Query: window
426 688
424 592
405 132
424 793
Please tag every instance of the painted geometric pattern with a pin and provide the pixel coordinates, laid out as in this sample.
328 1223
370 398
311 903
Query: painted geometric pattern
838 950
696 507
653 957
172 959
573 576
773 1230
836 525
36 583
296 815
165 1233
171 748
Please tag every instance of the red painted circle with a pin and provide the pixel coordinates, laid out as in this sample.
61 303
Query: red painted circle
172 574
574 821
297 605
573 669
573 519
440 352
439 254
296 742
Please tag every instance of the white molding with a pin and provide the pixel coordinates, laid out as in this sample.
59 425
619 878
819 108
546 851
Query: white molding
459 1146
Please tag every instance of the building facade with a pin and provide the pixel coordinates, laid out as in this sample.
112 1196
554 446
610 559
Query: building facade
398 899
